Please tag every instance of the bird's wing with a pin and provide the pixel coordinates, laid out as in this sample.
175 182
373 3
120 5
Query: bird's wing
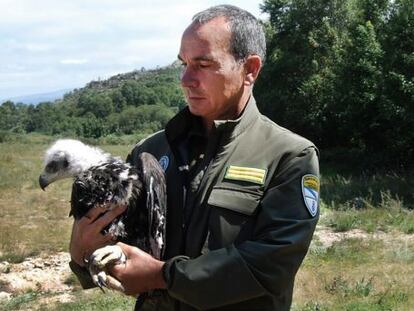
80 190
155 186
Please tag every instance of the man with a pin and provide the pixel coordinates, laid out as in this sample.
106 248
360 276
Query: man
242 191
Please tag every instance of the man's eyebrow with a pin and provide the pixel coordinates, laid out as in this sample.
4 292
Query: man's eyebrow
204 58
199 58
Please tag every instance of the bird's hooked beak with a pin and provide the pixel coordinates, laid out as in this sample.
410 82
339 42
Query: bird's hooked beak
43 182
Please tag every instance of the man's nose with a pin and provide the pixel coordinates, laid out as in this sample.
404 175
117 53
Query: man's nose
189 78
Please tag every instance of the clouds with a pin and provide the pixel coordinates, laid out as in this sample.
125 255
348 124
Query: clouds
48 45
73 61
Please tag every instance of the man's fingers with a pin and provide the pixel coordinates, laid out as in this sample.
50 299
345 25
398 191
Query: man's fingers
106 219
108 238
94 213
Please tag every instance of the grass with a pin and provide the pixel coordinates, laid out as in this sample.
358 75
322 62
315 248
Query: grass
32 220
357 274
360 273
94 300
369 273
360 190
17 254
90 300
389 214
20 302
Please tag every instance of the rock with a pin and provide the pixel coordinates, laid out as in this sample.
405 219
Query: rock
4 267
46 273
5 296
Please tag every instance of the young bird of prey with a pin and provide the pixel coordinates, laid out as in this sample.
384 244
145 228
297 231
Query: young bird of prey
103 180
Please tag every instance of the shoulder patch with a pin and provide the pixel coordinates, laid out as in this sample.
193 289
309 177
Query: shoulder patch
310 192
254 175
164 162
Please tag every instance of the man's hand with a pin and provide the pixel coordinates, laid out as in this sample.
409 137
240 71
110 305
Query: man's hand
86 232
140 273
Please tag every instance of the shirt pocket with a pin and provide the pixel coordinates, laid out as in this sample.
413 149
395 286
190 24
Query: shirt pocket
231 216
235 199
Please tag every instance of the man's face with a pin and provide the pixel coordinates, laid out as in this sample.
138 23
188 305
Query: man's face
212 79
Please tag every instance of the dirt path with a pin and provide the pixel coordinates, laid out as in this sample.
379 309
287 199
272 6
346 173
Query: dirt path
327 237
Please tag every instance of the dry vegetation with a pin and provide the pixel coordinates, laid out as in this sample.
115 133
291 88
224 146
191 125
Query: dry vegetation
362 257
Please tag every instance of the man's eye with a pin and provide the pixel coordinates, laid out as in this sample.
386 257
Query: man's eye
183 64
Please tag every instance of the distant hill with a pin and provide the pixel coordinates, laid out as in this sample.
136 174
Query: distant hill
161 76
134 103
116 81
37 98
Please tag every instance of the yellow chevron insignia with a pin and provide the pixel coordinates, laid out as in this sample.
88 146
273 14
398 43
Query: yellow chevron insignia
255 175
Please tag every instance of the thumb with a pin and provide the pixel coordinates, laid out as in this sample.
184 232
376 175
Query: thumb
117 267
126 249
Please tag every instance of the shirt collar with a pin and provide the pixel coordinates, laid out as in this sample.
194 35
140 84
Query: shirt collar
182 124
239 125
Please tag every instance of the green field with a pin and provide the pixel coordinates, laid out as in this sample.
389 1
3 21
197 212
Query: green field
361 259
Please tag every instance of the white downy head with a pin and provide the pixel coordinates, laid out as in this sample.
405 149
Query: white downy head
68 158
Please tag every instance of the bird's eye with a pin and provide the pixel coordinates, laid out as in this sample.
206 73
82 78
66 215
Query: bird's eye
51 167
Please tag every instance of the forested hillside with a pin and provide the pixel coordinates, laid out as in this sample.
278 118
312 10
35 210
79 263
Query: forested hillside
340 72
136 102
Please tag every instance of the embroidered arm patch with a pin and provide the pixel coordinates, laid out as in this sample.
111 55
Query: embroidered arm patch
310 192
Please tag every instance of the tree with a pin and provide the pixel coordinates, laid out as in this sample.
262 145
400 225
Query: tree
397 109
118 101
341 74
304 40
92 127
359 83
100 105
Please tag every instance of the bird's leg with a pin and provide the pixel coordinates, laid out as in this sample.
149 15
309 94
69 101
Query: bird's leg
102 257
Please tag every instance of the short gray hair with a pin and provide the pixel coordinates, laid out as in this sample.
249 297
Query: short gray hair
247 35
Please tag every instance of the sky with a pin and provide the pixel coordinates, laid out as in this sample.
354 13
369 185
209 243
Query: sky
50 45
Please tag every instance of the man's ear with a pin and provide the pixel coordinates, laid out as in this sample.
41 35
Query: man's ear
252 67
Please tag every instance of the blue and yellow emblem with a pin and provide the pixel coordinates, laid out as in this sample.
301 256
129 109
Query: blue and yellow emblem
310 191
164 162
254 175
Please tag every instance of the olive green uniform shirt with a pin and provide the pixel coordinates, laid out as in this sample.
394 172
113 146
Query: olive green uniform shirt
237 213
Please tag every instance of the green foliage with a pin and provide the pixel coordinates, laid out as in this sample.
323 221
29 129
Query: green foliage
342 74
304 46
100 105
144 119
137 102
13 117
